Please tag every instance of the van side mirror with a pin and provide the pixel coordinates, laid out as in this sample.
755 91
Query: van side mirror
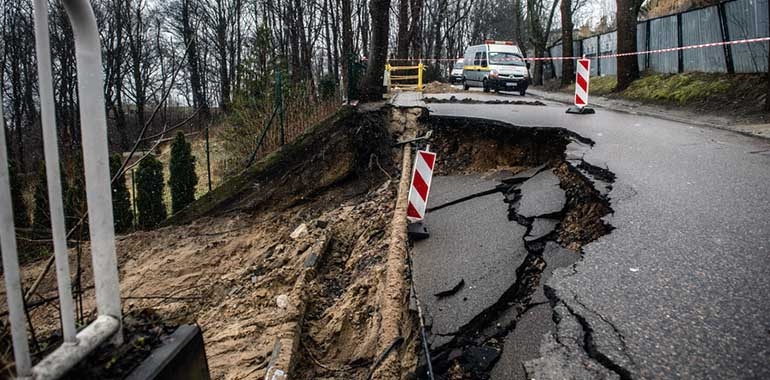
528 65
484 63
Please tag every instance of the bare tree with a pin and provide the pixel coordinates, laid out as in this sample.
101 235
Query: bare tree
372 84
628 66
567 65
540 20
186 27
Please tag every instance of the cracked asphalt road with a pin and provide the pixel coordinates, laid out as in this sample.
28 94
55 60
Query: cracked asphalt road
680 288
481 253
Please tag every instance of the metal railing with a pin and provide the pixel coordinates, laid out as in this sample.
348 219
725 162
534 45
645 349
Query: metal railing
404 81
107 325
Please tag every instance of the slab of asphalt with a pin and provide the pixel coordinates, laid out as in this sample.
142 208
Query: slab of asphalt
446 189
471 241
541 195
679 288
540 228
523 343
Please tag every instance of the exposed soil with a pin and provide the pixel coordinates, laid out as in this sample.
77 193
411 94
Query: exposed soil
472 145
439 88
231 270
582 220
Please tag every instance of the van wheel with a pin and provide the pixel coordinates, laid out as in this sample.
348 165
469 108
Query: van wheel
465 86
523 92
486 88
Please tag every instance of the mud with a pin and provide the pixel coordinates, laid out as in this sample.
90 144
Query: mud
476 146
513 155
237 262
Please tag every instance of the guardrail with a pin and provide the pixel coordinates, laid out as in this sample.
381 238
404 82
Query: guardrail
403 81
107 325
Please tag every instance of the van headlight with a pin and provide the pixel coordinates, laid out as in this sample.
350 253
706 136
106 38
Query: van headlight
494 74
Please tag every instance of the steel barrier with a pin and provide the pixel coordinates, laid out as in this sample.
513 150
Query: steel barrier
107 325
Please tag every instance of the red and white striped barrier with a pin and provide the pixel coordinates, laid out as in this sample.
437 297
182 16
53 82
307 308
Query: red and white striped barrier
422 174
582 78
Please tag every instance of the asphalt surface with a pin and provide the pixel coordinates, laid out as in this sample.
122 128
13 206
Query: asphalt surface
680 288
541 195
462 246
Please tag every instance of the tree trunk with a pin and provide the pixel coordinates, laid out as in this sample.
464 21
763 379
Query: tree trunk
537 73
193 60
347 43
416 28
438 36
371 87
402 44
221 47
568 65
628 66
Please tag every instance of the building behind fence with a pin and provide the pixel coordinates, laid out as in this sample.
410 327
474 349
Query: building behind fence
728 21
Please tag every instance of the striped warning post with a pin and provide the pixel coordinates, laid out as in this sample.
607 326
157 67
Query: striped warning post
582 77
422 174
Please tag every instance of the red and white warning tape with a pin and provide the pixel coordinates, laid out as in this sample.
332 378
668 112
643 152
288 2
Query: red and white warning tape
605 56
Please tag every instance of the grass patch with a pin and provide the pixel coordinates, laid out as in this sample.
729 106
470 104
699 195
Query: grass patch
742 95
682 89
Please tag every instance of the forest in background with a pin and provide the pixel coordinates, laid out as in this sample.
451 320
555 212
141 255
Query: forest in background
190 64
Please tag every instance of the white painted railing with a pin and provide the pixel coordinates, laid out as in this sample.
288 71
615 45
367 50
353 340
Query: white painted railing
98 191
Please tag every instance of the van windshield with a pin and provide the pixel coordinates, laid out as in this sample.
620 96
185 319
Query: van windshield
510 59
458 65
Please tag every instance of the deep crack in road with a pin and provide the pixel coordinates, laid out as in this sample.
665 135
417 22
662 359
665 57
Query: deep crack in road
495 219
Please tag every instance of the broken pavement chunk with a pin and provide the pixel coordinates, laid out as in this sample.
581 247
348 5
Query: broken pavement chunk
541 195
452 291
541 227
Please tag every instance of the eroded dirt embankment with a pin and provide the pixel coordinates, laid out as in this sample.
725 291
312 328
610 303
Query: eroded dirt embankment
559 204
293 250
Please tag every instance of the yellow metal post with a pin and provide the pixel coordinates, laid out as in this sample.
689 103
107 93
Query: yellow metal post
420 67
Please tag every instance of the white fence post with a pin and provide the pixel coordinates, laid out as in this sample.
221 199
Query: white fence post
11 264
93 124
53 174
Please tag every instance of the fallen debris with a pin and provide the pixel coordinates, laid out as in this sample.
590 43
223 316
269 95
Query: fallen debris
436 87
453 99
299 232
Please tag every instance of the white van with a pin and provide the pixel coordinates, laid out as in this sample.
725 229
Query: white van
495 65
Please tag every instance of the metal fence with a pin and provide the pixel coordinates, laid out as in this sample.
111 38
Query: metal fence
107 325
728 21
